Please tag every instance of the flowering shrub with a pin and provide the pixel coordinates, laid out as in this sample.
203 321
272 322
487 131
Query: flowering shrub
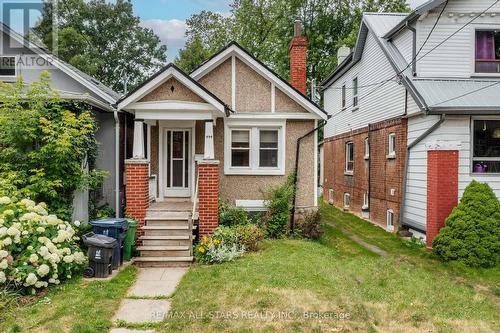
36 249
247 235
211 251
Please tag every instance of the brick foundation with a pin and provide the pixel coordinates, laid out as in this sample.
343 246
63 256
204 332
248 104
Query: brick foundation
379 175
208 193
442 189
137 190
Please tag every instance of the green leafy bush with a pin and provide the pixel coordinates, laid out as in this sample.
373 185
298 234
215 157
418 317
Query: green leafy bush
472 231
310 226
44 140
230 215
248 236
36 249
278 203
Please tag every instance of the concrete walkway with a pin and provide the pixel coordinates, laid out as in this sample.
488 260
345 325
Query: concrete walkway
361 242
147 300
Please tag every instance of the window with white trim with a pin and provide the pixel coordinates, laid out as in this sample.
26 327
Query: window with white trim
8 67
240 148
355 92
347 200
486 146
392 145
367 148
257 150
343 96
390 220
365 200
487 55
349 157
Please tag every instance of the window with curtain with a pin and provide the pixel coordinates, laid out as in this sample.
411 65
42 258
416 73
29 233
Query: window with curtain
487 51
486 149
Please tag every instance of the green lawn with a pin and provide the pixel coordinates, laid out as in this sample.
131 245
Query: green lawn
74 306
404 292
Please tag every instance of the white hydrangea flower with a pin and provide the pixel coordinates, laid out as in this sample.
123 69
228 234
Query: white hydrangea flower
7 241
54 258
30 217
4 264
79 257
68 259
51 280
25 232
39 209
33 258
44 251
5 201
8 212
2 221
31 279
40 229
3 231
3 254
28 203
3 278
43 270
13 231
17 239
52 220
30 248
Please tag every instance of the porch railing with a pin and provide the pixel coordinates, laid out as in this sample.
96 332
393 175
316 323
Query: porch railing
153 189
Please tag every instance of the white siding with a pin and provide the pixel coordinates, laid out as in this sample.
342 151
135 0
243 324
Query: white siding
404 43
454 128
455 57
384 103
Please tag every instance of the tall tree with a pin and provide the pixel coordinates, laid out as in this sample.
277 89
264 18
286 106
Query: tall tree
265 28
103 39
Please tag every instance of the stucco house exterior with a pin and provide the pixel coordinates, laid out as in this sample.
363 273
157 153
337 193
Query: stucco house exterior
227 130
21 57
410 131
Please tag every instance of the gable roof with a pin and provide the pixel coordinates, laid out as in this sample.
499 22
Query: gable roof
169 71
94 85
234 48
379 24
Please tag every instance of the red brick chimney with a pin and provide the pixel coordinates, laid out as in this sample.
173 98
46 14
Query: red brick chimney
298 59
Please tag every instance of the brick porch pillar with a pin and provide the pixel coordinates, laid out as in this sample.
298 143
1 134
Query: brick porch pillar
208 193
137 190
442 189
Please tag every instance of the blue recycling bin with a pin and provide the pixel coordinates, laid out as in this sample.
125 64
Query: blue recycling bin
115 228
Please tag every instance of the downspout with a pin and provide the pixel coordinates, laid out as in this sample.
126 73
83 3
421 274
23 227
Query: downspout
405 169
117 163
369 167
296 171
414 49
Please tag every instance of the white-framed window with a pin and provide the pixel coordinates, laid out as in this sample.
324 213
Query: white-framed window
366 200
486 146
486 56
349 157
367 148
344 96
392 145
254 148
330 196
355 92
390 220
8 67
347 200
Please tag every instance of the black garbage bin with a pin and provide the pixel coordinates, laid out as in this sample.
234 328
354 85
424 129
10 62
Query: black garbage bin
100 253
115 228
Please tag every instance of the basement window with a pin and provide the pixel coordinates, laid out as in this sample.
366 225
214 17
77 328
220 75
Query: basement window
486 146
390 220
349 157
365 201
347 200
330 196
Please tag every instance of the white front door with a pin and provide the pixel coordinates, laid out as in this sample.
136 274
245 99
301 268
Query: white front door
177 162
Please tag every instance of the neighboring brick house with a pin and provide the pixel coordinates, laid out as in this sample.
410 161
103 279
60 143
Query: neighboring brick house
229 129
406 137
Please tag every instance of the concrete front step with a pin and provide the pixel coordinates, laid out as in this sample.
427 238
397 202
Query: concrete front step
166 215
163 261
167 232
165 251
184 240
166 222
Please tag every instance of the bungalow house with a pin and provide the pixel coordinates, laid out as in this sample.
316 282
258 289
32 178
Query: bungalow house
229 129
411 129
21 57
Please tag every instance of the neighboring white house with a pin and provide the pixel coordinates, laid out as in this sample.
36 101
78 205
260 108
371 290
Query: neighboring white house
439 116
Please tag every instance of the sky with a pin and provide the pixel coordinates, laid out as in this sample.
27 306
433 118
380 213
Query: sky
167 18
